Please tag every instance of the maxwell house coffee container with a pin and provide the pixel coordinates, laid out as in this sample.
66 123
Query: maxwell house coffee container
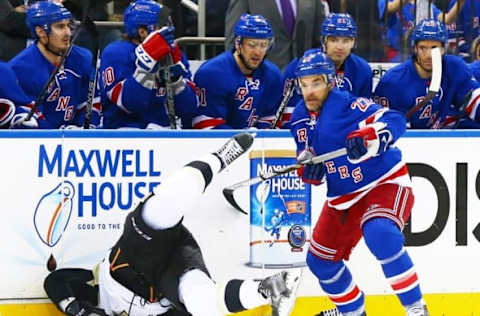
280 213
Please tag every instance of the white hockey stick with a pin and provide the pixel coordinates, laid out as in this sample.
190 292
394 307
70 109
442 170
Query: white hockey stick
228 191
434 83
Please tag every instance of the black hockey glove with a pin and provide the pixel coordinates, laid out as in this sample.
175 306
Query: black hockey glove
83 308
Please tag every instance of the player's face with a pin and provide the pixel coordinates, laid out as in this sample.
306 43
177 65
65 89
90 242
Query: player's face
423 50
338 48
60 34
254 51
314 90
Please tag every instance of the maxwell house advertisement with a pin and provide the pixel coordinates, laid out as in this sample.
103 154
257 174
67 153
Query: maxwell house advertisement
280 212
71 199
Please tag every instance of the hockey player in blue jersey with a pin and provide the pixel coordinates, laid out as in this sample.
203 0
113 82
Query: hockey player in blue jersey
459 91
353 74
132 73
65 102
368 191
11 95
240 88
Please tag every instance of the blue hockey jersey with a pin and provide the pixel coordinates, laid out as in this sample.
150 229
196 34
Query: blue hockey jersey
126 103
475 69
341 114
229 99
9 87
65 100
401 88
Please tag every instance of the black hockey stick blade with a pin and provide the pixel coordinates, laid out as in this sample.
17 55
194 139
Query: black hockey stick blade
228 191
228 194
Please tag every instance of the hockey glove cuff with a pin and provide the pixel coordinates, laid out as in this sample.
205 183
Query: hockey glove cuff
144 78
367 142
156 46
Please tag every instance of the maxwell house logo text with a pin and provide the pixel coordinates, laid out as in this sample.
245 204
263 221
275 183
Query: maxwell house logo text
126 166
286 181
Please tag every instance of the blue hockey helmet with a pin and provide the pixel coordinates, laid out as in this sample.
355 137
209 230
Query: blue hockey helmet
339 24
141 13
44 14
253 26
429 30
315 62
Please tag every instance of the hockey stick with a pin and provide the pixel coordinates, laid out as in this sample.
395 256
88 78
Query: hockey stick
92 29
288 95
61 63
283 105
228 191
434 83
172 117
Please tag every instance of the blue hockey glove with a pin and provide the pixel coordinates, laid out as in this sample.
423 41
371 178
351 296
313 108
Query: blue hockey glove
177 71
367 142
310 173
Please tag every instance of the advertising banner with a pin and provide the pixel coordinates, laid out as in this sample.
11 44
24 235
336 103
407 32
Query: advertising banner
65 195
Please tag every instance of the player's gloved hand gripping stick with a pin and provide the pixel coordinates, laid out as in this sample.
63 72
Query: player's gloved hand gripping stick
228 191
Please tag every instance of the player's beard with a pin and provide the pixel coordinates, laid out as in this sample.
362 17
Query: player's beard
420 64
55 50
245 63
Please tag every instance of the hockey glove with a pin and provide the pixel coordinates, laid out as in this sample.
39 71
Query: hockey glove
7 111
367 142
156 46
177 71
310 173
18 122
83 308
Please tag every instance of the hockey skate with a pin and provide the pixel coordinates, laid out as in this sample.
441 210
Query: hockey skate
418 311
281 288
234 148
336 312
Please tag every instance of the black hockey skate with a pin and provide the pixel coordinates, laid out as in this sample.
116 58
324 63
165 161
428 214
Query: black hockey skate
234 148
